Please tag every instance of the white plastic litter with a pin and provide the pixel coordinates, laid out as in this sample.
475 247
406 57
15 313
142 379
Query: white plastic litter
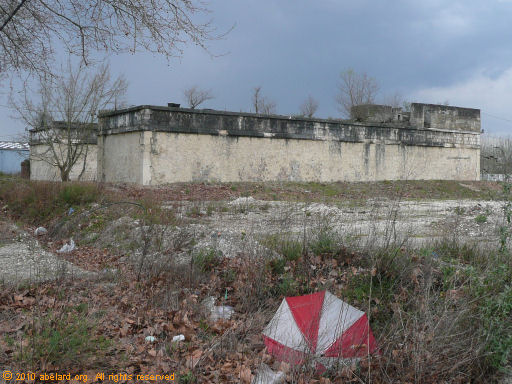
265 375
150 339
40 231
66 248
178 338
223 312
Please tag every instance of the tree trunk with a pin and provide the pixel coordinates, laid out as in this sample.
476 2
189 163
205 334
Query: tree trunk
64 175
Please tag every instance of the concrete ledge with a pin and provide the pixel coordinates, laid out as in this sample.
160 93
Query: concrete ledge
231 124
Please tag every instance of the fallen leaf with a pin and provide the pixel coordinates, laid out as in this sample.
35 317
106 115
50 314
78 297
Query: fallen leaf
245 375
194 358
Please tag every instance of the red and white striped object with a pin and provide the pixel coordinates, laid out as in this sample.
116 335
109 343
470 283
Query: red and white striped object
318 326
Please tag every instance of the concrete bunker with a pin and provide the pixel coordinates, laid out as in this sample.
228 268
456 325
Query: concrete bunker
152 145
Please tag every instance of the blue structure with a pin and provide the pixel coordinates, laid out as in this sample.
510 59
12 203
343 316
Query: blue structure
11 156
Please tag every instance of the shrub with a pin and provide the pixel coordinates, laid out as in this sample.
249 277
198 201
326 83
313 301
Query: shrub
207 259
38 202
453 251
286 286
290 249
276 266
78 194
325 242
493 293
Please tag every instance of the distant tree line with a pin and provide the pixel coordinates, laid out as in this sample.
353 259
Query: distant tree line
354 88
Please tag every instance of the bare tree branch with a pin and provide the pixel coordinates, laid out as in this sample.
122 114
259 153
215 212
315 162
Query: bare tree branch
355 89
261 104
33 28
62 122
196 96
308 107
11 15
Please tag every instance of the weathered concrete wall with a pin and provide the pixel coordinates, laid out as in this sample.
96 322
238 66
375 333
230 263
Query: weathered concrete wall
120 158
445 117
187 157
42 170
372 113
155 145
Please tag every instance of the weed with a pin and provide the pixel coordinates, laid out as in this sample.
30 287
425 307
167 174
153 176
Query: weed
325 242
494 295
207 259
287 286
363 287
96 224
290 249
38 202
459 211
9 340
228 276
78 194
276 266
448 273
205 333
327 190
453 251
194 211
62 340
480 219
82 308
187 378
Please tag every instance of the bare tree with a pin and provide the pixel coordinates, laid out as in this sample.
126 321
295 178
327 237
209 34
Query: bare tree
308 107
261 104
355 89
196 96
62 122
30 30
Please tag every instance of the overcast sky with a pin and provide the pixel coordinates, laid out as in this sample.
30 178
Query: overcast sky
433 51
